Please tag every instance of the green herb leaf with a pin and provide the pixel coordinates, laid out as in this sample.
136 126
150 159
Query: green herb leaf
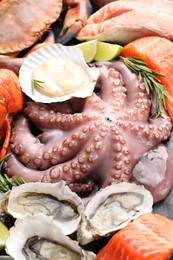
7 183
149 76
36 83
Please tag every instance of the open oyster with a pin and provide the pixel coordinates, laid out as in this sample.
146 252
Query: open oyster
54 200
37 237
111 209
56 73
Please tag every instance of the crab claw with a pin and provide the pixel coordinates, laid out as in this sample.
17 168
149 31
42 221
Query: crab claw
76 17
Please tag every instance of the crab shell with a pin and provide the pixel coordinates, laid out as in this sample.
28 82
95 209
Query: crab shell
22 22
111 209
57 201
37 236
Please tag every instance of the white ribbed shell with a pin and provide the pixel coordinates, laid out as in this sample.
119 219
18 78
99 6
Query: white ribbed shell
58 51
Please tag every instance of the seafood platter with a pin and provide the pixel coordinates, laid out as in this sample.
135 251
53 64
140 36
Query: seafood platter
86 140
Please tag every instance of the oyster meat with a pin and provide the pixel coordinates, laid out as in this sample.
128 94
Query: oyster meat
37 237
111 209
57 201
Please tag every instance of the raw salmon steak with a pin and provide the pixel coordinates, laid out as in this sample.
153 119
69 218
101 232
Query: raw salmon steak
129 26
157 52
149 237
117 8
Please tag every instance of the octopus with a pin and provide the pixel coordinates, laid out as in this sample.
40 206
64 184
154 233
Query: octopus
95 140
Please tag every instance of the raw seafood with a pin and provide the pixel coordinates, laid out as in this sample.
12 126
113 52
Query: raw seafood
37 237
100 137
122 6
22 23
124 21
57 201
11 101
31 20
157 52
148 237
154 171
56 73
75 18
111 209
129 26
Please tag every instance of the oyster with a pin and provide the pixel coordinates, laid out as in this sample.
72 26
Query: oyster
37 237
57 201
111 209
56 73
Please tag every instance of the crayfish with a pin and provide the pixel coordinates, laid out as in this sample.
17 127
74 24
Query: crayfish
11 102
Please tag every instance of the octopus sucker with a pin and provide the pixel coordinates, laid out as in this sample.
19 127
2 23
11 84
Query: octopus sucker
43 116
48 154
94 140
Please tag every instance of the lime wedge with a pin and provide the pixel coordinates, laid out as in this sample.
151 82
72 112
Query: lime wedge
88 49
107 51
4 233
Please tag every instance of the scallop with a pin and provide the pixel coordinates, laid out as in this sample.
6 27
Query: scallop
57 201
112 208
37 237
56 73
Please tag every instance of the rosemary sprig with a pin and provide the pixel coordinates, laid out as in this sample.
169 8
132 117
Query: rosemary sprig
5 182
151 81
36 83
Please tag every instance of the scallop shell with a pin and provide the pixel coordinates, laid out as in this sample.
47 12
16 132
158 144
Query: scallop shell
111 209
58 51
54 200
37 237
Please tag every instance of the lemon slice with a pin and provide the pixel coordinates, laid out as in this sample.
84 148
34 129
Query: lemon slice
107 51
4 233
88 49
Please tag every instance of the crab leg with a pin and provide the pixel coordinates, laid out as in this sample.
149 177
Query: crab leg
75 19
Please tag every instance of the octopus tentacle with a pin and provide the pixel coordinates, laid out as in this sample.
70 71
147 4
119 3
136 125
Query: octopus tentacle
45 152
128 92
43 117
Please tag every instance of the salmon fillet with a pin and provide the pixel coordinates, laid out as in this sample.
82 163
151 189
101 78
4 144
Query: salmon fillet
117 8
129 26
148 237
157 52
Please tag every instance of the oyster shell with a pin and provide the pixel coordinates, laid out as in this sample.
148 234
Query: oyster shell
54 200
56 73
37 237
111 209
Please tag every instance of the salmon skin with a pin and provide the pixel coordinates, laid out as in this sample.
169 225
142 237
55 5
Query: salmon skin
157 52
148 237
117 8
129 26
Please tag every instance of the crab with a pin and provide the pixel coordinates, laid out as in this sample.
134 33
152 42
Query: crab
22 23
